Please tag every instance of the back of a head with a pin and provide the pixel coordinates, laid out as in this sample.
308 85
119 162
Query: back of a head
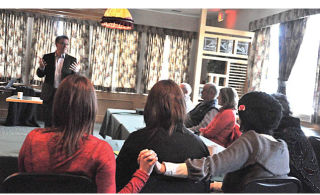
284 103
165 106
74 108
260 112
229 98
212 91
186 88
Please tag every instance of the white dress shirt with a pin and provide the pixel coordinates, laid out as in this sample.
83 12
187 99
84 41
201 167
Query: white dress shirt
57 74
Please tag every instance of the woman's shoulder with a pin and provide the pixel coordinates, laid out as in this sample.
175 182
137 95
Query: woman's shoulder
227 111
40 132
96 141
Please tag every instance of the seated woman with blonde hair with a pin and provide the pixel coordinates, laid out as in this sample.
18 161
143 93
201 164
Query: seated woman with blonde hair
223 128
70 147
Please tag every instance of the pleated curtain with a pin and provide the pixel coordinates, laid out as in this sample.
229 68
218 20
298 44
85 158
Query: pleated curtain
12 44
44 33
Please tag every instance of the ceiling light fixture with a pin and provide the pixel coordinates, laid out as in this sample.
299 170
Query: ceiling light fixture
117 19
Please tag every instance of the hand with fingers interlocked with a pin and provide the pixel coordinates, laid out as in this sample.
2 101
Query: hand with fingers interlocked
146 160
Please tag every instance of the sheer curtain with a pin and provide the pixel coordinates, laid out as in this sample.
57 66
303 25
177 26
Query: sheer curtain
259 56
179 59
269 78
13 34
44 33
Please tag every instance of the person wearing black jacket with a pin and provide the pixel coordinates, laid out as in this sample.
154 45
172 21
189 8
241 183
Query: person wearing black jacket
55 67
303 161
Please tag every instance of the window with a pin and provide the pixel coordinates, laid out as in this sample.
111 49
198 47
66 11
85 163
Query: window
301 82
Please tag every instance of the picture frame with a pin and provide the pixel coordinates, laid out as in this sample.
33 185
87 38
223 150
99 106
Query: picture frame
226 46
242 48
210 44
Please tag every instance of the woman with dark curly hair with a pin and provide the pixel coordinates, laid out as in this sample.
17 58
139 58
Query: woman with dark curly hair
303 161
255 154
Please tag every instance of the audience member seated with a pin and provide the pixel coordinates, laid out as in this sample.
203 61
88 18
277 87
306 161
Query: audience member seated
223 129
166 135
205 111
70 147
186 89
303 161
255 154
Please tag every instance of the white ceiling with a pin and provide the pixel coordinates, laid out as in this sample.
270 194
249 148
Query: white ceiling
182 12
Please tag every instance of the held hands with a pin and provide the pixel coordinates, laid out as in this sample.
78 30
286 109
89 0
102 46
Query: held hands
75 66
159 168
147 159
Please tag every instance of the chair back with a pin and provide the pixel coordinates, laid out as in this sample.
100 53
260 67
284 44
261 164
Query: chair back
283 184
315 143
8 166
47 183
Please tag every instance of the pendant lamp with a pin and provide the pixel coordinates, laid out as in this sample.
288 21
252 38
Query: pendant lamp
117 19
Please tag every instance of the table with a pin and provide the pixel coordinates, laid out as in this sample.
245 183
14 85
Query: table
23 111
24 99
119 123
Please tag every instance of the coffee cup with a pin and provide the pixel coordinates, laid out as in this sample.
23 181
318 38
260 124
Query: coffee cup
20 95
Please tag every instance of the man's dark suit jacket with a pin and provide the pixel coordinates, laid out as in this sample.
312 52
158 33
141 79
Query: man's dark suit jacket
48 72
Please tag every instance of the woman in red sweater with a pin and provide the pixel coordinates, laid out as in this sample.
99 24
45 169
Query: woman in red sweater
223 129
70 147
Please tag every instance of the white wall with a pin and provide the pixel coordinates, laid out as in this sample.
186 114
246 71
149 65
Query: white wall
191 23
244 17
165 20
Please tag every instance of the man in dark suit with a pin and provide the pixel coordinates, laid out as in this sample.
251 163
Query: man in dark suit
55 67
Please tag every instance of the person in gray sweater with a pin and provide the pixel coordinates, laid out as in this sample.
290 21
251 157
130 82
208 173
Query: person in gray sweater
255 154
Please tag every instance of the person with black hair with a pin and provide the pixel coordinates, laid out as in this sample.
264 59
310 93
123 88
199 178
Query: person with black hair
255 154
303 161
55 67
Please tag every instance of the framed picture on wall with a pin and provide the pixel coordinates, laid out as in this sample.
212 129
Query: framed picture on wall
242 48
210 44
226 46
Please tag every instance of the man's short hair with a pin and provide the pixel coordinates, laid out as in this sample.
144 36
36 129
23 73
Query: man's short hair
212 89
61 37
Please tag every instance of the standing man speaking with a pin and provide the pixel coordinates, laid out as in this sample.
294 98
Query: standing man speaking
55 67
